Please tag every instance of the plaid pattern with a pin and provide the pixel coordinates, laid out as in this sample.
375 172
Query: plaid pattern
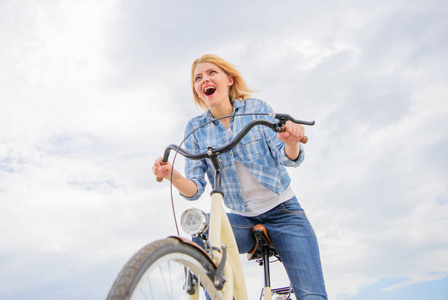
260 151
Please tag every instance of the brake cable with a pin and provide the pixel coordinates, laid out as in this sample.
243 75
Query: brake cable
177 151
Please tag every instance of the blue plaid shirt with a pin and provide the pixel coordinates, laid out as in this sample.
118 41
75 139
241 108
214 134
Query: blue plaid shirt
260 152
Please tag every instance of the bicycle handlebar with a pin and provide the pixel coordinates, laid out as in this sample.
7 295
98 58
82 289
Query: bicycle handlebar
276 126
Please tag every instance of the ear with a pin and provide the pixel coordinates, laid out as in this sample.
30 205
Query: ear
230 83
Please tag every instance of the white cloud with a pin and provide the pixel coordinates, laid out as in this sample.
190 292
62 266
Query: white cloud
417 279
93 92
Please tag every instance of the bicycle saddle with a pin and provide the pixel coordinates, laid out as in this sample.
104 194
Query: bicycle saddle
262 242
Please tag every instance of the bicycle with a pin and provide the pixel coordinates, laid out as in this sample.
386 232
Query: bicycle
177 268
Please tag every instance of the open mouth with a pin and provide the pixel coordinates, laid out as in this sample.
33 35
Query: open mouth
209 90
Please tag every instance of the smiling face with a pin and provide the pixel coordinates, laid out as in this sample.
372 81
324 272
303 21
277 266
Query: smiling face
212 84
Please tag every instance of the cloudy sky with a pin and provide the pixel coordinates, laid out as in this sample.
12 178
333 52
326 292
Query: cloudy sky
92 91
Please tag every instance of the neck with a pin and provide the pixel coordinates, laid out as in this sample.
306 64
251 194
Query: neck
223 110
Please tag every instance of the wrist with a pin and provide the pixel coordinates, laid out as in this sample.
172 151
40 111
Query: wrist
292 151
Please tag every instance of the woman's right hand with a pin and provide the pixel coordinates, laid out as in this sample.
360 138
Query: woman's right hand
162 169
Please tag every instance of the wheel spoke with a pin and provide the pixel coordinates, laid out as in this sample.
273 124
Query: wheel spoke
187 282
149 288
166 273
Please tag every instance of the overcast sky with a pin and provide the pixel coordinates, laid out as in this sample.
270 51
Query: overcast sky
91 92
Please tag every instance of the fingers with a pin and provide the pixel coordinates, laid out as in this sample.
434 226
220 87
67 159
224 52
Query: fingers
161 169
292 133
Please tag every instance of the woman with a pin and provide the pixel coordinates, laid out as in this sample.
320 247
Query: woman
255 183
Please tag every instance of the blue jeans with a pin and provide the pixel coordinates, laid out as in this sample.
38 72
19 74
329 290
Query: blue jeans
295 241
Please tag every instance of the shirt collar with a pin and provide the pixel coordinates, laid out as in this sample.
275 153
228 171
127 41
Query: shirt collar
237 104
207 116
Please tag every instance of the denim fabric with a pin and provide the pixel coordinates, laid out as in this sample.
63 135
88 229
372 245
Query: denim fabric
259 151
295 241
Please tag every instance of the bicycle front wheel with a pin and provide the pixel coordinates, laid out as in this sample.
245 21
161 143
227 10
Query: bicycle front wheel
166 269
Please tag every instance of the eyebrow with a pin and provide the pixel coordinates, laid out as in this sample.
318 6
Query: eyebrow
208 70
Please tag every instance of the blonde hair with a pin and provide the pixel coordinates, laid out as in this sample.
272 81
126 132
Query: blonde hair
238 90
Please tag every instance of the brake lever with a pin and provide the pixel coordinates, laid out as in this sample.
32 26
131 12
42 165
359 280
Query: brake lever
283 118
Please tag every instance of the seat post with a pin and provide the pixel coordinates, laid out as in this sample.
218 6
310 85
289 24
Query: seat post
267 275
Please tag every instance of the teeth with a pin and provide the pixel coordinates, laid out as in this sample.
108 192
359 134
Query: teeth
209 90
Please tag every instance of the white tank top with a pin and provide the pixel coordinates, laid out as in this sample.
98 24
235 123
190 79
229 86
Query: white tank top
257 198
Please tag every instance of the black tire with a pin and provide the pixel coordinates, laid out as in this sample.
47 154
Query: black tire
159 269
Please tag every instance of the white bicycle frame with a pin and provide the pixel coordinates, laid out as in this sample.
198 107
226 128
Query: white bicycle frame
221 233
220 230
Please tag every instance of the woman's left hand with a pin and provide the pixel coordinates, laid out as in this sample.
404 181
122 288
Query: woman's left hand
291 133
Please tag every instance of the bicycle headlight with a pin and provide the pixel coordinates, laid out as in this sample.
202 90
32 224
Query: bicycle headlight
194 221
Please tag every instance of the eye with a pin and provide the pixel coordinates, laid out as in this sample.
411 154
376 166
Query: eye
213 72
197 78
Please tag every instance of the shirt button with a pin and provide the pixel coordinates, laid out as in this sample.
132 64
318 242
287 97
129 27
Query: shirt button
231 119
230 152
